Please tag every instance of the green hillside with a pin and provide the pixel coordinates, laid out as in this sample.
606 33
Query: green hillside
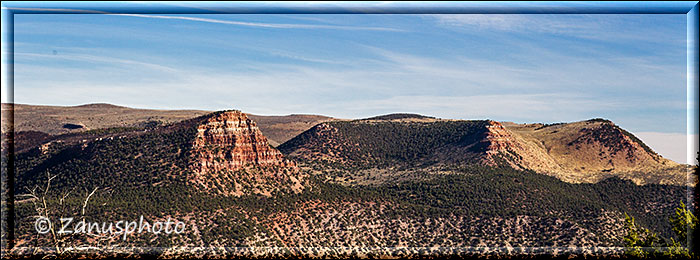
143 172
367 144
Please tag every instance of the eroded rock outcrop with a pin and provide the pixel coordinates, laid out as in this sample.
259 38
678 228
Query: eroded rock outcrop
232 141
503 144
232 155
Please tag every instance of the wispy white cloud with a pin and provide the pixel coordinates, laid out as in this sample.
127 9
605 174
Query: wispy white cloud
220 21
482 21
298 57
303 89
98 59
552 72
264 25
530 84
513 22
393 82
63 10
602 27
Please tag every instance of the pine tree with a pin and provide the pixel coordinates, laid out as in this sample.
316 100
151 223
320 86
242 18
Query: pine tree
638 239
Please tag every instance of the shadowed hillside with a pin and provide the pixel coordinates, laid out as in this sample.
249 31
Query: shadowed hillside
587 151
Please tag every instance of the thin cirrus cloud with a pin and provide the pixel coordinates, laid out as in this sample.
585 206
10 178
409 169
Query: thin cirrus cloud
477 82
264 25
482 21
502 75
219 21
99 59
528 22
584 26
282 82
60 10
299 67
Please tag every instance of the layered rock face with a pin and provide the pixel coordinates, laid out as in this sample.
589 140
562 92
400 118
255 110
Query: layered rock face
232 157
230 141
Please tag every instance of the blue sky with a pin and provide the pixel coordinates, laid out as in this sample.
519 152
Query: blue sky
524 68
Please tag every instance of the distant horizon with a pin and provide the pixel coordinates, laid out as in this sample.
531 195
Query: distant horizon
312 114
661 143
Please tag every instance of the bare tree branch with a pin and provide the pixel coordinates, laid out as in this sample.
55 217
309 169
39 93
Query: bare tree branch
65 195
86 200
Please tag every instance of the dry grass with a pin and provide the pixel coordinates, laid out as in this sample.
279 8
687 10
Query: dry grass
584 159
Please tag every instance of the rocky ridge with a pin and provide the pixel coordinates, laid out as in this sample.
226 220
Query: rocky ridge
579 152
592 150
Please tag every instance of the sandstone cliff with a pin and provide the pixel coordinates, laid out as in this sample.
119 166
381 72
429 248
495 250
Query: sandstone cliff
232 141
231 155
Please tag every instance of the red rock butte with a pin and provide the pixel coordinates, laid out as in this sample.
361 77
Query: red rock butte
229 141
